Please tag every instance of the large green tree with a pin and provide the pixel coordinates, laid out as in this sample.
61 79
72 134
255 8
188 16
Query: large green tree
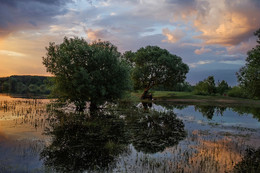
249 75
153 66
86 72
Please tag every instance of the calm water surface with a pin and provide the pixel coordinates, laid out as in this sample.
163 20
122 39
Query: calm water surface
141 139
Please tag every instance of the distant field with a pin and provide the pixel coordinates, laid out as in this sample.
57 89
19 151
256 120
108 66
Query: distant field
190 98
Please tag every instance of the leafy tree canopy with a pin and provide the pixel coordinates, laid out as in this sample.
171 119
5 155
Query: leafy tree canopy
222 87
86 72
153 66
249 75
206 87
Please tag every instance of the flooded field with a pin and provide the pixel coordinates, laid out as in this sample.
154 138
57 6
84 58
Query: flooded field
159 137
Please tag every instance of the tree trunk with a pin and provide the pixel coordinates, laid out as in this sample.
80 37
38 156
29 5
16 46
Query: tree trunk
146 94
93 107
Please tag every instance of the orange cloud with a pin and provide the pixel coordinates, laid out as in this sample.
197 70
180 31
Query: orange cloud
202 50
96 34
225 23
172 36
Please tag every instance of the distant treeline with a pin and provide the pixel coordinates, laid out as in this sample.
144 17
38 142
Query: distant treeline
25 85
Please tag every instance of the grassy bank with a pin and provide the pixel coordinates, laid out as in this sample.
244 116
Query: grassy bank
190 98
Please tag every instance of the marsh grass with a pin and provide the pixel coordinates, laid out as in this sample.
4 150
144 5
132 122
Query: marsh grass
200 151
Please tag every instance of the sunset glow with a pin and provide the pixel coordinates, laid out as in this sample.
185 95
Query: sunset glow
210 36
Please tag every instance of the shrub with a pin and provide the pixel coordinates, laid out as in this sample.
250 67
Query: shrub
237 92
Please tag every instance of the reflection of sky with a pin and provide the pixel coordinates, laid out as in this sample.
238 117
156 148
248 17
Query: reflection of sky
229 118
20 141
19 155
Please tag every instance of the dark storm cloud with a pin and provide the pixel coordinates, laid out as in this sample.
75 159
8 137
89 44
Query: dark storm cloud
256 2
13 3
26 14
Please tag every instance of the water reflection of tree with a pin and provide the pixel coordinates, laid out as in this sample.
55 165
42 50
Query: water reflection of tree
255 111
153 132
250 163
147 105
85 143
90 143
209 111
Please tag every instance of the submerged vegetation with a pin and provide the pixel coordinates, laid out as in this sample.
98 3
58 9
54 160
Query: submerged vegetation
128 139
94 142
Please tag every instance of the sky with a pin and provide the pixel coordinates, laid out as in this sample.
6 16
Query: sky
211 36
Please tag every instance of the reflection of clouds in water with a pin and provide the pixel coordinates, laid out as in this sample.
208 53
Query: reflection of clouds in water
20 155
215 156
192 119
23 118
155 107
159 108
197 153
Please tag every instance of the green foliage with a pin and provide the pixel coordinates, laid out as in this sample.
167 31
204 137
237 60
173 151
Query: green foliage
154 66
5 87
237 91
249 75
206 87
33 88
128 57
222 87
183 86
86 72
24 85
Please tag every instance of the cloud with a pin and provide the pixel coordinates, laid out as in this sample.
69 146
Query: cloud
172 36
236 62
243 47
193 65
28 14
11 53
202 50
226 22
94 35
219 27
